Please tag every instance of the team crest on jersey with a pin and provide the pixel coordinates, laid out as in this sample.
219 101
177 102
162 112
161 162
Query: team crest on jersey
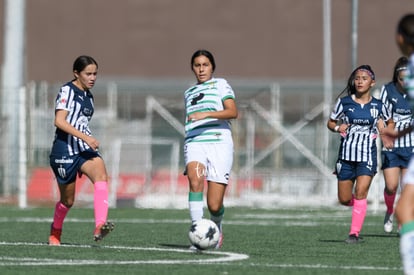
338 167
374 112
62 172
87 111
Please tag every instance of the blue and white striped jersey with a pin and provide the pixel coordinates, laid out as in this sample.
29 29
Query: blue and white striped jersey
398 105
80 106
207 96
359 143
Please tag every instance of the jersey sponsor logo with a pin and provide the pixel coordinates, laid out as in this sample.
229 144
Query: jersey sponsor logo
63 160
361 121
197 98
61 99
403 111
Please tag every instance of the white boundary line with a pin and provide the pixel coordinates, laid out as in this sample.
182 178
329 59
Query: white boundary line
226 258
25 261
322 266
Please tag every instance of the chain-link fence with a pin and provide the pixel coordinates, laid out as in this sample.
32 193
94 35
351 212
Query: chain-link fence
284 154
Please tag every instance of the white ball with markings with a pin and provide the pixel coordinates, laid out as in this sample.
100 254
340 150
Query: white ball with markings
204 234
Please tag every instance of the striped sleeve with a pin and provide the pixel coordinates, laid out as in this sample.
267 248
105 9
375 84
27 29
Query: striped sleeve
64 98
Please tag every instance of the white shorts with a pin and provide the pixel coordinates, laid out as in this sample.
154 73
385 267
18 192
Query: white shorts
217 159
409 175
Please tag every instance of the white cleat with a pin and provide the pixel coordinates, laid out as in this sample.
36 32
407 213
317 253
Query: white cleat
388 222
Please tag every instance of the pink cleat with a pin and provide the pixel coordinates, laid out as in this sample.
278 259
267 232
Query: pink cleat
102 230
54 238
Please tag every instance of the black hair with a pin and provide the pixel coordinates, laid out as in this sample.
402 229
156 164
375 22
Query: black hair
400 65
82 61
350 87
207 54
405 28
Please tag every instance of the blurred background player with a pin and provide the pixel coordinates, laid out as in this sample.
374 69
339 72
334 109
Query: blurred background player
396 156
208 147
404 210
355 117
75 150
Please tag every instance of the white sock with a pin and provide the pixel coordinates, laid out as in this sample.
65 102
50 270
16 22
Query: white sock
407 252
196 210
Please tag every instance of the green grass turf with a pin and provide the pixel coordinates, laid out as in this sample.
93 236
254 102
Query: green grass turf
153 241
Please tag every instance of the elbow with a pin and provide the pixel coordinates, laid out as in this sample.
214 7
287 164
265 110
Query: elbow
55 123
58 123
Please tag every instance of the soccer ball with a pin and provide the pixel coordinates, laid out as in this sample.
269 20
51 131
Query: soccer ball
204 234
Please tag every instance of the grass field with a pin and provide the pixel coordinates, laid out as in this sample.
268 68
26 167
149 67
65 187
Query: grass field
149 241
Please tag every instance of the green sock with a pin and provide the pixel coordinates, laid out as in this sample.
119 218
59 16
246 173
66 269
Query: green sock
217 217
407 227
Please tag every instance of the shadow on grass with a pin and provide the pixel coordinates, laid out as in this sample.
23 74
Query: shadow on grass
180 246
331 241
383 235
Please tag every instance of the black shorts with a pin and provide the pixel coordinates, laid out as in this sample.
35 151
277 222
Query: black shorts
66 168
397 157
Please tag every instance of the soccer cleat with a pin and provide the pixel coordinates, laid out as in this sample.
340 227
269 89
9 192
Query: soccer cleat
353 239
194 248
388 222
54 238
102 230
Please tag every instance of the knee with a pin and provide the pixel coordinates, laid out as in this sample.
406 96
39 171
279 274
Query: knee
102 177
196 184
390 191
345 200
214 207
68 202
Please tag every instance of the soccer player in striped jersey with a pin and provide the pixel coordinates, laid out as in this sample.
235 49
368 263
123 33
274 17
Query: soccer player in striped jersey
75 151
395 157
355 118
208 146
404 210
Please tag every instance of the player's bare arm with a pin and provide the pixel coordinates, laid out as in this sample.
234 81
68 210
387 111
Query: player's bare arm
61 123
229 112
